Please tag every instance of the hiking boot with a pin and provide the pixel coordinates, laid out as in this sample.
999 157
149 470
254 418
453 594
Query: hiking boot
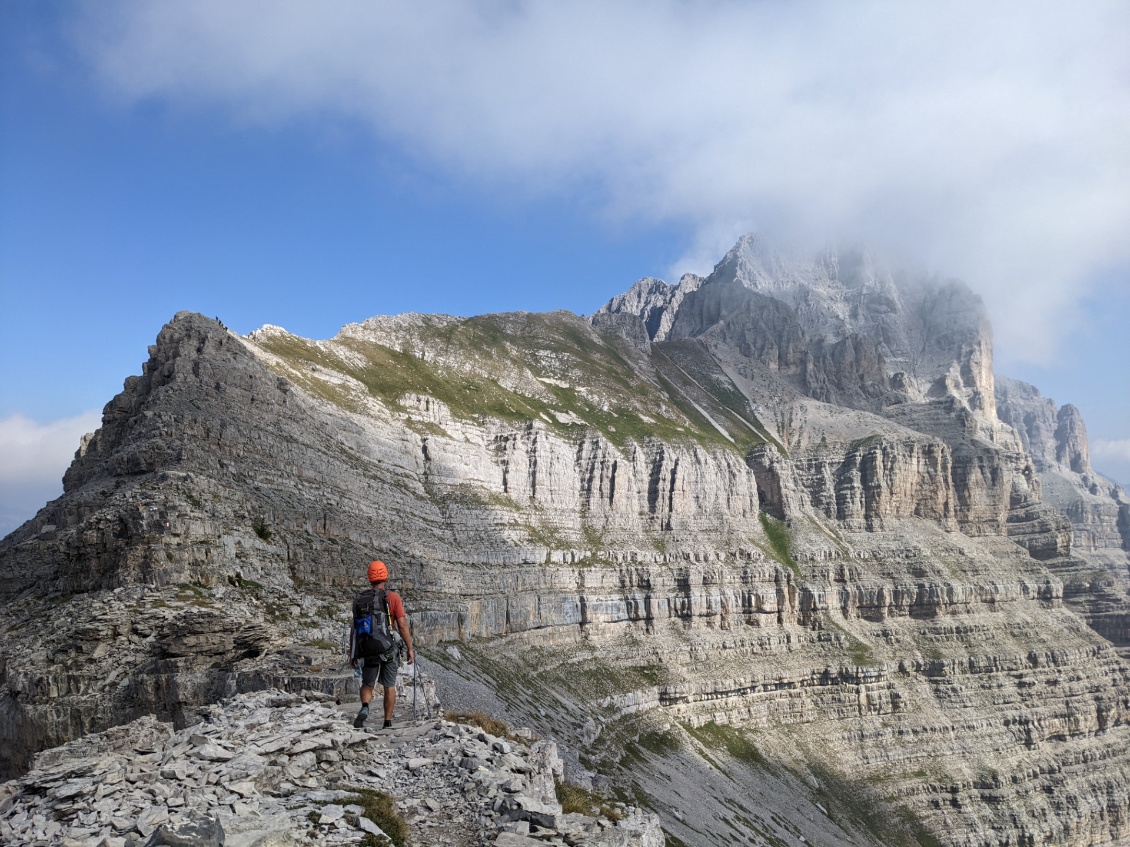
387 724
359 721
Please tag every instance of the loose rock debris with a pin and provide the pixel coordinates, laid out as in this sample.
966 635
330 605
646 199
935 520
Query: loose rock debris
278 770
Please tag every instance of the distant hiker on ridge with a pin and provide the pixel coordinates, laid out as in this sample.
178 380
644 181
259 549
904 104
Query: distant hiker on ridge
373 647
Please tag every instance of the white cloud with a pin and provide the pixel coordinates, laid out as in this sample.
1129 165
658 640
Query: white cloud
33 458
1111 457
1118 448
988 139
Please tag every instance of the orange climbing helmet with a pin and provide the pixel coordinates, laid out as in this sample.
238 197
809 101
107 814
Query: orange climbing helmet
378 571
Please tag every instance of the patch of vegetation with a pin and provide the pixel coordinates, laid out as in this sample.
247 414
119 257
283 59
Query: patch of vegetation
1103 577
778 535
1099 578
600 679
194 594
588 562
860 653
577 800
299 355
893 825
660 743
389 374
594 540
868 441
193 500
646 675
657 743
379 808
262 529
322 644
485 722
238 581
703 430
833 534
735 742
545 536
277 610
426 428
474 497
469 359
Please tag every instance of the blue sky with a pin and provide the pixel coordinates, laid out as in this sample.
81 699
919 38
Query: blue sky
309 167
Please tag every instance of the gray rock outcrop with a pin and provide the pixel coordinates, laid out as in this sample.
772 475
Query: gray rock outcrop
272 769
784 536
843 326
1097 580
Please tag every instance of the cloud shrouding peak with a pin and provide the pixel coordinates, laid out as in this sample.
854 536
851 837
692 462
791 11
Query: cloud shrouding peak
988 140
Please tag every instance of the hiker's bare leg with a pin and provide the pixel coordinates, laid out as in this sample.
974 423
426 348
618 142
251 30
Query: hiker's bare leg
390 701
366 694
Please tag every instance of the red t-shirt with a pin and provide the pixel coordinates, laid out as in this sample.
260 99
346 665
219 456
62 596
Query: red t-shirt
395 606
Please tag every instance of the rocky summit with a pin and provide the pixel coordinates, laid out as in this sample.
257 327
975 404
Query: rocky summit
770 556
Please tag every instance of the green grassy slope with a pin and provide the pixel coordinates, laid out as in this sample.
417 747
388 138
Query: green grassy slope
552 367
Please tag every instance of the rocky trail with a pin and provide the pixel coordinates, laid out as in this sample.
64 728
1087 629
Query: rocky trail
272 769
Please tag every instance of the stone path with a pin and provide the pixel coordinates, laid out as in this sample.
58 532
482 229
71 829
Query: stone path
281 770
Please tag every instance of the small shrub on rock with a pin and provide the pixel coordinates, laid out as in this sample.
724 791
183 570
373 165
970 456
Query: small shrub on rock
483 721
577 800
379 808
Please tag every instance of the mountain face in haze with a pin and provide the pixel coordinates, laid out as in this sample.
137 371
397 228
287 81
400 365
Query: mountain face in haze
840 327
771 551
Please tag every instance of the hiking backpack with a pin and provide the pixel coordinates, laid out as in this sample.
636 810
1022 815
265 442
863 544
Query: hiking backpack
371 624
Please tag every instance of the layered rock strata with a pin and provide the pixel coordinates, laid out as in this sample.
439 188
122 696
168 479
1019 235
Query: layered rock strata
766 534
1097 574
1056 438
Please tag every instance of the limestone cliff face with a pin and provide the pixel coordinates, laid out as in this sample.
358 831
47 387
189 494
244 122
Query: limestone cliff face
875 484
843 326
665 547
845 329
655 303
1096 575
1071 440
1056 438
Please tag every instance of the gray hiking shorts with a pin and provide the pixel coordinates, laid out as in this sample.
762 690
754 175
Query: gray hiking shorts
374 670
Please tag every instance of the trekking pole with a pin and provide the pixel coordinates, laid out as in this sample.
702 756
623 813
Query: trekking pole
415 670
347 646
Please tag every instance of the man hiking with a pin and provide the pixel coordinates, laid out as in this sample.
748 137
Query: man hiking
372 645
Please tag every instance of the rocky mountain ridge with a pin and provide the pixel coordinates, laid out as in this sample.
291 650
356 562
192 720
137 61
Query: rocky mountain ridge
780 531
272 769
